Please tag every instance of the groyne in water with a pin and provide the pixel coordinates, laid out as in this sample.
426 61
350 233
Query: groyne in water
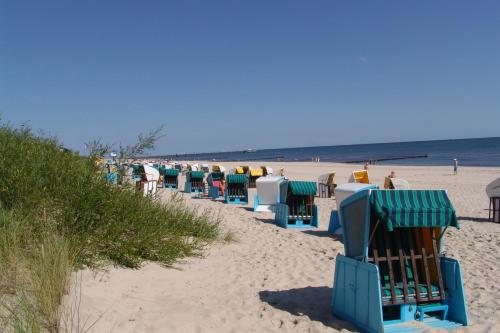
373 161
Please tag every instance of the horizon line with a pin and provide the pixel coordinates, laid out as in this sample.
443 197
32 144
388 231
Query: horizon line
321 146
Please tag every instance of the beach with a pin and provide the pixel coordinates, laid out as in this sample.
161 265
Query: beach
271 279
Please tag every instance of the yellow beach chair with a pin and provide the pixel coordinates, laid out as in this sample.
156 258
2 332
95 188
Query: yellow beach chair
361 177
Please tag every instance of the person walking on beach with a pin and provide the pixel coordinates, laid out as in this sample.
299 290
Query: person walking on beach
455 166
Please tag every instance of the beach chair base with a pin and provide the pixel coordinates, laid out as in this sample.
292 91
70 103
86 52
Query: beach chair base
357 298
236 200
258 207
214 193
283 219
171 187
196 192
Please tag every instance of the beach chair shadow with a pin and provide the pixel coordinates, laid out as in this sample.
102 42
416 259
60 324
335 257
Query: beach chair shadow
264 220
317 233
312 302
473 219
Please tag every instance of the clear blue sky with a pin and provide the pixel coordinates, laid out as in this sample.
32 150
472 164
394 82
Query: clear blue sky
228 75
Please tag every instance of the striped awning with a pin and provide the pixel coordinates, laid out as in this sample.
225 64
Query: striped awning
216 175
196 174
302 188
171 172
413 208
236 179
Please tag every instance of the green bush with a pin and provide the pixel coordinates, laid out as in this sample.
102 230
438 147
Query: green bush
69 196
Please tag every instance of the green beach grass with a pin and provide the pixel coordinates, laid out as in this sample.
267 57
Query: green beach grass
58 214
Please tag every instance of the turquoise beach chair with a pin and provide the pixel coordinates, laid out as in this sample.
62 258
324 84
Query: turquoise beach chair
171 179
213 180
296 208
194 183
236 189
393 274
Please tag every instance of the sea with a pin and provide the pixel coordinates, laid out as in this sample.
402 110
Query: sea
469 152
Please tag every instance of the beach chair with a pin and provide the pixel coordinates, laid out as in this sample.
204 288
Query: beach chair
268 193
253 175
326 185
493 192
146 178
218 168
213 180
266 170
236 189
194 183
171 179
296 208
393 277
396 184
360 176
242 170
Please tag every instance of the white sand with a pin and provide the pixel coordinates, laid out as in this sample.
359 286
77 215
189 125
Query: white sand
277 280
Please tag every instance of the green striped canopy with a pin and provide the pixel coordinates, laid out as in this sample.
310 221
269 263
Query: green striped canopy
216 175
302 188
413 208
171 172
236 179
196 174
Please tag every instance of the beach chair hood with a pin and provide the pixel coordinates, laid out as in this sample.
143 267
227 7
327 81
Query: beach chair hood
493 189
236 179
413 208
152 174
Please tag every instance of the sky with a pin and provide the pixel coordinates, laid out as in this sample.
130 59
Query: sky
230 75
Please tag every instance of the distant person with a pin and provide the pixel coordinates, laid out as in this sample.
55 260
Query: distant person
366 166
282 172
455 166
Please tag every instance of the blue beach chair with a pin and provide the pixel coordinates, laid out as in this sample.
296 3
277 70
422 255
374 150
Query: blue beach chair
213 180
236 189
194 183
296 208
393 277
171 179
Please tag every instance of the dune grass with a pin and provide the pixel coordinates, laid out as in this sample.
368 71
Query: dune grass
57 213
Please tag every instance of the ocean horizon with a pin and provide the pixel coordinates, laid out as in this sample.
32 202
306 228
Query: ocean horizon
469 152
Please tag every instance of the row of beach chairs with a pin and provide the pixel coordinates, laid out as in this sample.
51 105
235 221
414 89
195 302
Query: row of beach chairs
393 273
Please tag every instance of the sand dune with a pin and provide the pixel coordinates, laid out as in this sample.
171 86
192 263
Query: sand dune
277 280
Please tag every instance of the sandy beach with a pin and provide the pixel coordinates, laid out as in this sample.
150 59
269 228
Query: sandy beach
272 279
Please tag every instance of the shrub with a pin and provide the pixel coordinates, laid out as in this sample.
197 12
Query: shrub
100 221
